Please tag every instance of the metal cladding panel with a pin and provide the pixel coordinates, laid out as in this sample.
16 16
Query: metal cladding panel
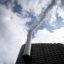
44 54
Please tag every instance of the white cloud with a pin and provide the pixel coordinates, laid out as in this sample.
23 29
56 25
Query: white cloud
34 5
12 35
60 12
13 30
56 11
53 15
44 36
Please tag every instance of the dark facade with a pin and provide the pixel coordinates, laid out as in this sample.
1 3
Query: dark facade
43 54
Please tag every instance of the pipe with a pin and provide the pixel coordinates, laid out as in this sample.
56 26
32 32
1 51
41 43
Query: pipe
27 50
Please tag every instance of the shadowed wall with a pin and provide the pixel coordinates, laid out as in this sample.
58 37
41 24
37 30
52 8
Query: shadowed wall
44 54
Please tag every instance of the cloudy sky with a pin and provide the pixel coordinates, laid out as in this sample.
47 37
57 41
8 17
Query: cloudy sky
18 16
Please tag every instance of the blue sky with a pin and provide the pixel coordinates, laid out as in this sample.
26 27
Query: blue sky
18 16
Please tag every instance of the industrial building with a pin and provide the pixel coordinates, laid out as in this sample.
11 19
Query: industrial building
43 53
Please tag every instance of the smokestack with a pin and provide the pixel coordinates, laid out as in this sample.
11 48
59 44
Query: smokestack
27 50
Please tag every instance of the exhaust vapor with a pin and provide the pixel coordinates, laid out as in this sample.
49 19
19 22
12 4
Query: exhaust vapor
27 50
41 17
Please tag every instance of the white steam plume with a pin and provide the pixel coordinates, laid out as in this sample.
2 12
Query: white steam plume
41 17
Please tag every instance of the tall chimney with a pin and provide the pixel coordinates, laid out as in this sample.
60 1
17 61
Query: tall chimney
27 50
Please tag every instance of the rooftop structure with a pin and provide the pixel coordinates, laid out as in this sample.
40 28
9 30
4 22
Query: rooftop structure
43 54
